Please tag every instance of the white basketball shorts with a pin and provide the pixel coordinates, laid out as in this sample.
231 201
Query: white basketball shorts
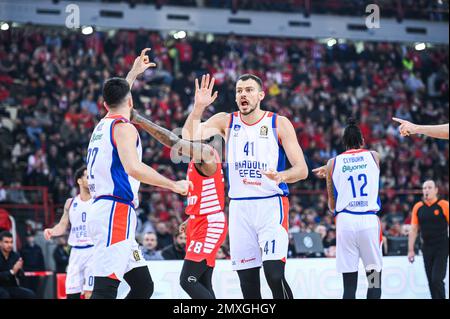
79 271
112 227
358 236
258 231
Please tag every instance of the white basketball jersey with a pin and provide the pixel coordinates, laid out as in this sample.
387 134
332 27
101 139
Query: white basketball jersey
250 150
356 180
106 174
78 227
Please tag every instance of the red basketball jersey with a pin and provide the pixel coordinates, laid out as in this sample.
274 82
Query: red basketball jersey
208 193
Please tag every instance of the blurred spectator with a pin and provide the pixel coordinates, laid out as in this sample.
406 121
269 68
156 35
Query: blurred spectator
176 251
33 260
330 252
222 253
149 243
61 255
11 270
163 235
330 239
2 192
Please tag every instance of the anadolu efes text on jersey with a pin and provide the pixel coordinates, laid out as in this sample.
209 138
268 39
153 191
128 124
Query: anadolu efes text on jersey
356 181
78 215
106 174
252 149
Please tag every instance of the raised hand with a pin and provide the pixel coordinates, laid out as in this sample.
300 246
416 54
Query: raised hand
203 92
142 63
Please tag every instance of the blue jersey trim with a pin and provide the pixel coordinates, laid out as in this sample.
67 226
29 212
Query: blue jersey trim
82 247
378 198
122 187
336 194
115 199
281 210
128 221
356 213
227 149
110 223
281 164
256 198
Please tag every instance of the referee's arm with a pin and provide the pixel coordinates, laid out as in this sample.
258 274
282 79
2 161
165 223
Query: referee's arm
412 236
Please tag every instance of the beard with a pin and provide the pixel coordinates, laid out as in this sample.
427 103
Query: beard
250 110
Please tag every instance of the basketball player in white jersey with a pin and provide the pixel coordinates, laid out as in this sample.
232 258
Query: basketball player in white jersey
79 277
353 179
115 171
258 143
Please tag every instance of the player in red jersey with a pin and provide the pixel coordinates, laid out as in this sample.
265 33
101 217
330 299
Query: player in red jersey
206 227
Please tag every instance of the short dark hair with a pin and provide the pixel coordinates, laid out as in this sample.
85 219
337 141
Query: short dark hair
114 91
6 234
353 137
79 173
247 76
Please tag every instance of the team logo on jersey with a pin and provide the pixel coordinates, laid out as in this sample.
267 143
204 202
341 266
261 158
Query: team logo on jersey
75 205
136 255
100 126
237 127
436 212
263 131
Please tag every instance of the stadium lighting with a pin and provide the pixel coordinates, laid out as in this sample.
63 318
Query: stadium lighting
4 26
331 42
180 35
87 30
420 46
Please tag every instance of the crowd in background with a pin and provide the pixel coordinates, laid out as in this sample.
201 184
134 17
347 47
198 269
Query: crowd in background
50 94
433 10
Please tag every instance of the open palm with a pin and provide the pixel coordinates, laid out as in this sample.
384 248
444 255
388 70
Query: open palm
203 92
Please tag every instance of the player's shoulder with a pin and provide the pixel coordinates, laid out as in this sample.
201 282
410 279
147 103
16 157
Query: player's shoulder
221 120
69 202
282 119
331 162
124 125
375 153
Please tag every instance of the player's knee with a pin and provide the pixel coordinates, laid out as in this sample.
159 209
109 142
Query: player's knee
105 288
274 271
141 290
274 278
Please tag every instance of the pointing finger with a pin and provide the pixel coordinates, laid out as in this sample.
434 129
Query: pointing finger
399 120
